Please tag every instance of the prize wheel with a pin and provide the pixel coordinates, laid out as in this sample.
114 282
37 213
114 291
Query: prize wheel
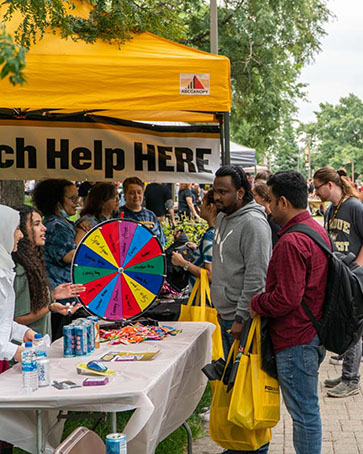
122 265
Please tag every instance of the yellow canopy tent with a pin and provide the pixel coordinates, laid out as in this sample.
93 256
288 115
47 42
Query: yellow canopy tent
147 79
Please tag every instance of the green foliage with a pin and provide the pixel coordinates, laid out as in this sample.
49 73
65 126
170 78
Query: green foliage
194 229
337 135
286 152
268 43
110 20
12 58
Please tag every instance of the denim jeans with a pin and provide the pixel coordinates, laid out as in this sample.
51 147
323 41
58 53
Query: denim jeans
227 341
297 369
351 363
227 338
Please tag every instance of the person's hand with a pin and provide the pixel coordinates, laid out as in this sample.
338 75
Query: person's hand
191 245
29 335
17 355
67 290
236 330
177 233
177 259
85 226
65 310
253 313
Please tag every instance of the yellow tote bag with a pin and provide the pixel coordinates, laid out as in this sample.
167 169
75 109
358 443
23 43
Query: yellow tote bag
224 432
200 312
255 401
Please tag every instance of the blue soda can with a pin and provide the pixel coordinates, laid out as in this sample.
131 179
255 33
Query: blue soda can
89 327
81 340
116 444
69 341
92 323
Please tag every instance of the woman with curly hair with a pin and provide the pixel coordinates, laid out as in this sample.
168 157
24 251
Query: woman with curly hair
101 205
34 300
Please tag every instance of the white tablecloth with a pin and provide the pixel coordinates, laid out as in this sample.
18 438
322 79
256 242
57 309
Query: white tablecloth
164 391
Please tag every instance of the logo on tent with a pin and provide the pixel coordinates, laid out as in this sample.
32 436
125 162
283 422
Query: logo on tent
194 84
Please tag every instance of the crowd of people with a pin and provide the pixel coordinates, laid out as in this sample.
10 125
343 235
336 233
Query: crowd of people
254 265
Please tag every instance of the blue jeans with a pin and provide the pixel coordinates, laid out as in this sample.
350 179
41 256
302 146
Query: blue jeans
297 369
227 338
227 341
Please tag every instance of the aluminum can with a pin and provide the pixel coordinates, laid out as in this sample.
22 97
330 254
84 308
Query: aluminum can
43 371
69 341
92 323
80 332
116 444
97 330
88 324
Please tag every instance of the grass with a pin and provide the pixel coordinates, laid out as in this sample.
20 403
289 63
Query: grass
175 442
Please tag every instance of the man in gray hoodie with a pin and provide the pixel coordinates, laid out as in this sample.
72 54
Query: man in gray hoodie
241 251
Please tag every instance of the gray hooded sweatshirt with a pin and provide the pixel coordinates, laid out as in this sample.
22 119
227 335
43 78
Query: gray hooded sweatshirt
241 253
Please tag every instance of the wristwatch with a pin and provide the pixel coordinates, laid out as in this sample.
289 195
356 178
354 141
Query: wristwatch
238 319
50 306
186 266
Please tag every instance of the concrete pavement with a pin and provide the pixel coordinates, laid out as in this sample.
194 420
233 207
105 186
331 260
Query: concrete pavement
342 423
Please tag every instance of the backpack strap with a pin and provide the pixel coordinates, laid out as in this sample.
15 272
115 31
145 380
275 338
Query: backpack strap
318 239
313 234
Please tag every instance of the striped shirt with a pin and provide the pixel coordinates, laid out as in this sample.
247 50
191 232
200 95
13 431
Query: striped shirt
203 253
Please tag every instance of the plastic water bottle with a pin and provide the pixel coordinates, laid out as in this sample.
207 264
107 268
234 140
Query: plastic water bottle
42 360
29 368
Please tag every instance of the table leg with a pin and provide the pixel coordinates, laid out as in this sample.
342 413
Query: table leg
39 424
114 422
190 437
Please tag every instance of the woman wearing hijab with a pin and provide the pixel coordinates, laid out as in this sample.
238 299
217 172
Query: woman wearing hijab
10 234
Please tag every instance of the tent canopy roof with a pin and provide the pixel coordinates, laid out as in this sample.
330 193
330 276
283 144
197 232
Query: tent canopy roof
242 156
142 80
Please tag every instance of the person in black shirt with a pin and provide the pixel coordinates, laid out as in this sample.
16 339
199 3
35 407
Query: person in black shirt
185 197
158 199
344 222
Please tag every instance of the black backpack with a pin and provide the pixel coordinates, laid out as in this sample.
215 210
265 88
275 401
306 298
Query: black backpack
341 325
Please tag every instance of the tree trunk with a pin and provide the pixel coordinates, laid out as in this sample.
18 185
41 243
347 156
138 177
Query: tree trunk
11 192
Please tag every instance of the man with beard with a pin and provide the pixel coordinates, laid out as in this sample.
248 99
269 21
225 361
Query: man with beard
241 252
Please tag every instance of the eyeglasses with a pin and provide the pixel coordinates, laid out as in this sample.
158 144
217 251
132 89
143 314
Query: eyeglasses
74 198
318 187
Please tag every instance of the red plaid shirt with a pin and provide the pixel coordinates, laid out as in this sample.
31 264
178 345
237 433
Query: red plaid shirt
297 269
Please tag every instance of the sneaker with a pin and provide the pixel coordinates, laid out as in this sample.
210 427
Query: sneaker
337 360
205 416
332 382
344 389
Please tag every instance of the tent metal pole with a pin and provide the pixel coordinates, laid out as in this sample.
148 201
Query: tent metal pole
213 19
221 135
227 148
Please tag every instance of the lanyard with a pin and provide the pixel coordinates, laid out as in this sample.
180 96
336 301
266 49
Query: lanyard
335 213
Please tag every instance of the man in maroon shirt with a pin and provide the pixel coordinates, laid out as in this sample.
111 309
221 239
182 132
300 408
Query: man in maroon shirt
297 270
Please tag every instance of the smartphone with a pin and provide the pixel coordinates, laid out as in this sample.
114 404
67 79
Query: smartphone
95 381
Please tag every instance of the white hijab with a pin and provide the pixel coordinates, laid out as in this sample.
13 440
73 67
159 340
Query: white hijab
9 220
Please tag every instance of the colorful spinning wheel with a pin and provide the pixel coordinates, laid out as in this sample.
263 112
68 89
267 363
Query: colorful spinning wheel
122 265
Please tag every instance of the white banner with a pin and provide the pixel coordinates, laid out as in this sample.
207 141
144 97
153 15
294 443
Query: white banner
33 150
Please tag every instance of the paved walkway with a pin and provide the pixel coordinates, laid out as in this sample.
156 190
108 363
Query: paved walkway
342 423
